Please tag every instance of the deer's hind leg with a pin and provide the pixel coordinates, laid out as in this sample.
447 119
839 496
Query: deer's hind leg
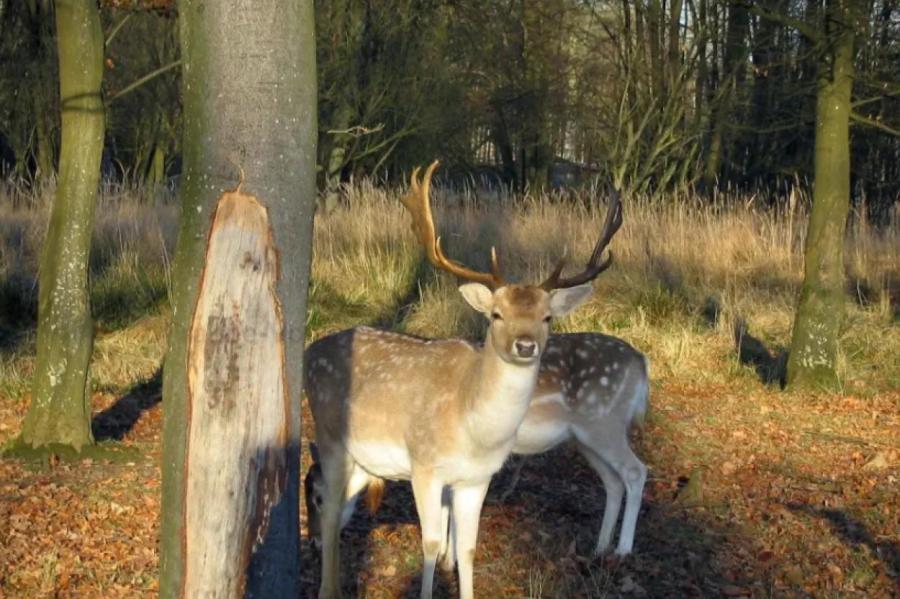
337 468
610 444
614 489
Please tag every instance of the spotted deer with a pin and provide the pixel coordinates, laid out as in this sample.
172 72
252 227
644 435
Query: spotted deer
591 388
440 413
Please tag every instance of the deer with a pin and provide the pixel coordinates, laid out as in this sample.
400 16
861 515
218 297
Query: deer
441 413
592 388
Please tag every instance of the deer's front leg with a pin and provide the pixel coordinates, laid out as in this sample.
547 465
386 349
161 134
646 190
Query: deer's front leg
467 502
427 491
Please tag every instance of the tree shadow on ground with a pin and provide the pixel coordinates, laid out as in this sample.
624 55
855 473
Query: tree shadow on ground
854 533
536 543
358 547
770 366
117 420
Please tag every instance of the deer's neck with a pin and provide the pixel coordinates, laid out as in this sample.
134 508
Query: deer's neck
498 398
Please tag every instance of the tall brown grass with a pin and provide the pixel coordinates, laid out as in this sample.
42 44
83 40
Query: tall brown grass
134 236
707 289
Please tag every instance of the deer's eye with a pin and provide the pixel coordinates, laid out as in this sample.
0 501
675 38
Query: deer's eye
547 319
496 316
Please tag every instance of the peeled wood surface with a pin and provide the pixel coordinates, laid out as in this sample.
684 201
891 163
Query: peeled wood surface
238 410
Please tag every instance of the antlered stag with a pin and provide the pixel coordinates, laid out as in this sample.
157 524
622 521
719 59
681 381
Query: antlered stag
441 413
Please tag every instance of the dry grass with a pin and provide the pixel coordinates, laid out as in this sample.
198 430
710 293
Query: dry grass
706 290
687 278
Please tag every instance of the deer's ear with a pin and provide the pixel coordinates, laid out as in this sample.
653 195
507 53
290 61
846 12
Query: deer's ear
563 301
314 450
478 296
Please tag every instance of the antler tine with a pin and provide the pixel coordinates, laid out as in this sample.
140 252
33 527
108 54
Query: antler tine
594 266
418 204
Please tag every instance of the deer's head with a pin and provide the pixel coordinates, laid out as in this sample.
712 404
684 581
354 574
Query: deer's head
519 314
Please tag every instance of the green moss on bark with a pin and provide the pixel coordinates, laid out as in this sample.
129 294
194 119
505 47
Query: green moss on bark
820 311
60 410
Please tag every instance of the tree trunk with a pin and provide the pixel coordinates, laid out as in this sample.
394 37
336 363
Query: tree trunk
232 378
702 28
157 171
655 32
733 63
504 148
60 410
817 323
674 58
43 143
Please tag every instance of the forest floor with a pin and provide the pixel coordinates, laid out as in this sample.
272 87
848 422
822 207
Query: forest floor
749 495
752 491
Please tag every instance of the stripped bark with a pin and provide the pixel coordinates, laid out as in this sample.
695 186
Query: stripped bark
238 401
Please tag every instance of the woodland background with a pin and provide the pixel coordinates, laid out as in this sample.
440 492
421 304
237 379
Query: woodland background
653 94
704 114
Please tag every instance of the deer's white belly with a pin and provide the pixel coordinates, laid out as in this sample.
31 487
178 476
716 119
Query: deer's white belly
542 428
384 460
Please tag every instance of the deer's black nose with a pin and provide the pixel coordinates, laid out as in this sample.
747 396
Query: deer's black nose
525 347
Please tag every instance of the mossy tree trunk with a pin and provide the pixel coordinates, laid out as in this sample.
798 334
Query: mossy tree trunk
249 81
60 410
817 323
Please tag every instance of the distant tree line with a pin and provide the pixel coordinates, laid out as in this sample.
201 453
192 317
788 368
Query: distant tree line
653 94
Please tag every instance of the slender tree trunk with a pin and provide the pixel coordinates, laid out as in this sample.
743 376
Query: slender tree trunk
733 63
42 83
701 26
817 324
157 171
674 57
235 352
655 32
503 145
43 144
60 411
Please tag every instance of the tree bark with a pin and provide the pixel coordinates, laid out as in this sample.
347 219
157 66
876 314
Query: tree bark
249 104
60 410
817 324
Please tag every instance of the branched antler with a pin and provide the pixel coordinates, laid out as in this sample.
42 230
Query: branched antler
418 203
594 266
